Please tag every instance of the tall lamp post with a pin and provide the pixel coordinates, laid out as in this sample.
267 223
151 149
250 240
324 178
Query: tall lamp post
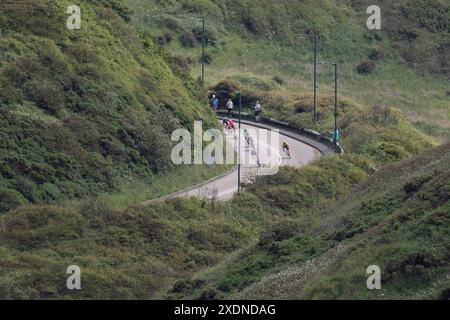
203 20
239 142
315 79
335 136
335 113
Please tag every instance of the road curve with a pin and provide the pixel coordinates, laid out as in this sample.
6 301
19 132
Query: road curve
270 156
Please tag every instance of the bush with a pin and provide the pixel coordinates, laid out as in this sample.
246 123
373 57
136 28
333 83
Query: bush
279 232
164 39
209 58
45 94
413 264
278 80
366 67
209 294
10 199
188 40
210 37
180 65
375 55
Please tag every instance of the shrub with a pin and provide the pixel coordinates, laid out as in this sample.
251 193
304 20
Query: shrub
209 58
45 94
180 65
412 187
366 67
210 37
375 55
188 40
181 286
302 107
209 294
10 199
279 232
413 264
125 12
278 80
164 39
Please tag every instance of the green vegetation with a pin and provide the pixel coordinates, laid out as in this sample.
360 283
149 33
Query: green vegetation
177 249
397 219
410 52
86 118
83 110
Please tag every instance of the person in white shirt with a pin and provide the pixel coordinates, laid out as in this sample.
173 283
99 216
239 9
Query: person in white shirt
230 107
257 111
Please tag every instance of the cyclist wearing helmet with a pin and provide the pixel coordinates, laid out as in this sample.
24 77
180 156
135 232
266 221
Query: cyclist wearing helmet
231 125
286 148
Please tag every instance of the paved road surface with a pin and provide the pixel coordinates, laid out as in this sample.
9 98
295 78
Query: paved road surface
270 156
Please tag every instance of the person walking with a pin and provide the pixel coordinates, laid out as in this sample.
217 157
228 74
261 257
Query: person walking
214 103
230 107
257 111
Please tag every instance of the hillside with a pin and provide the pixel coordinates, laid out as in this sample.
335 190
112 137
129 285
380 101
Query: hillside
410 53
397 220
186 247
83 110
86 117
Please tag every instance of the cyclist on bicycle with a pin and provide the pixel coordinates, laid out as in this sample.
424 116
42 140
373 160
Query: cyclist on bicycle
232 125
246 135
286 148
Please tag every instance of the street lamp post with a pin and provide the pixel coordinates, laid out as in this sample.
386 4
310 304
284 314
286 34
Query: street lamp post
239 143
315 78
203 49
203 20
335 136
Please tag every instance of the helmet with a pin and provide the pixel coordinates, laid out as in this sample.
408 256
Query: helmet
214 95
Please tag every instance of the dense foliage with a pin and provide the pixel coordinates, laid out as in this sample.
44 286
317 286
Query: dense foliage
82 109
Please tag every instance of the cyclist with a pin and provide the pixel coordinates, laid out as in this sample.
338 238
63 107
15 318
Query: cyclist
231 125
225 122
286 149
247 136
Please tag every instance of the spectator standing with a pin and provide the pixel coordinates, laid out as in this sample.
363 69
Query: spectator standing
214 103
230 107
257 111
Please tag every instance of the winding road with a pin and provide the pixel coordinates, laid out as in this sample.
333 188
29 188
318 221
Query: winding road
303 151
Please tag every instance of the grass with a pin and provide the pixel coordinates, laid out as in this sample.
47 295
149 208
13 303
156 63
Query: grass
382 221
73 128
248 41
304 233
136 192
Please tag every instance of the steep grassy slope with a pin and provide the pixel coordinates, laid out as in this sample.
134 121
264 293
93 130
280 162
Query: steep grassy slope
182 248
410 52
397 220
83 109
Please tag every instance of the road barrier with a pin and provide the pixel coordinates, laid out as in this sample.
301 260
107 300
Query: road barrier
311 134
